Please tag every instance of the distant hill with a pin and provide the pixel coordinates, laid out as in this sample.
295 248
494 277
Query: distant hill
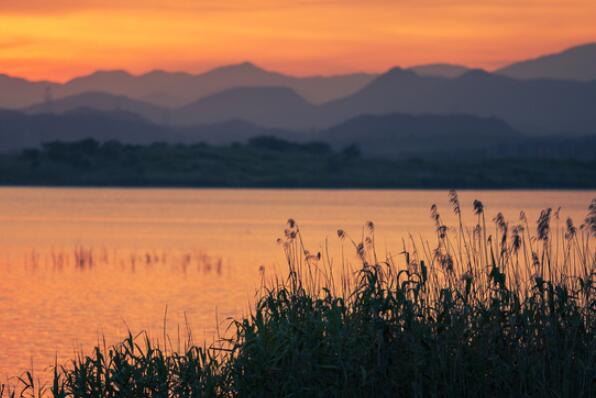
536 106
531 106
316 89
576 63
267 106
389 136
276 107
399 135
18 93
103 102
20 130
175 89
440 70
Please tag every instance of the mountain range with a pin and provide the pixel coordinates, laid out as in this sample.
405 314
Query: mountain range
450 104
391 136
381 135
19 130
176 89
576 63
409 135
538 106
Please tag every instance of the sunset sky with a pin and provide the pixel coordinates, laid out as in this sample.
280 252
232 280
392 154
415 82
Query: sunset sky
56 40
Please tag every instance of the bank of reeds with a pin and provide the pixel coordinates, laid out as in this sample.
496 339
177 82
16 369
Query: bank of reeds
498 309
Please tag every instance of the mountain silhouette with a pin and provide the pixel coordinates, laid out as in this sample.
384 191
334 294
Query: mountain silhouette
530 106
553 103
398 134
536 106
576 63
20 130
103 102
389 136
175 89
18 93
266 106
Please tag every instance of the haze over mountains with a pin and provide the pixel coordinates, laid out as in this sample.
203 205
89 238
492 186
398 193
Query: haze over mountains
532 106
551 95
540 107
393 136
19 130
576 63
101 101
175 89
376 135
421 134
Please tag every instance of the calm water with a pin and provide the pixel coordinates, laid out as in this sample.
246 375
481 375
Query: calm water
80 264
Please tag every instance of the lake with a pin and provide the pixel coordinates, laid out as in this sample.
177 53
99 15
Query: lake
78 266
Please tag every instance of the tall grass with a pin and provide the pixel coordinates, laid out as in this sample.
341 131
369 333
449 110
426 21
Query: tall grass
495 309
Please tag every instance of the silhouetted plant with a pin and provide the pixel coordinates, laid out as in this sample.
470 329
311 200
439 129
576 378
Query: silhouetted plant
468 316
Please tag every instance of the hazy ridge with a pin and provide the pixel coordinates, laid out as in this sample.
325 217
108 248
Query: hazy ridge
458 107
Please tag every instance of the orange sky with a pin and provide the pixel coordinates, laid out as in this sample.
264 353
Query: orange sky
62 38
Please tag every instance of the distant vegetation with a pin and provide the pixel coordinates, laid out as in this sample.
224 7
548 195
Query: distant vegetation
273 162
501 310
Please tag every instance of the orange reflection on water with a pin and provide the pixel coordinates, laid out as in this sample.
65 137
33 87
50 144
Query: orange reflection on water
78 265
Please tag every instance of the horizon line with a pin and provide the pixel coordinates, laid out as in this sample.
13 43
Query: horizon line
255 65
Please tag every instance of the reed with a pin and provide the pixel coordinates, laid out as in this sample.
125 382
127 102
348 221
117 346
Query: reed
82 258
506 309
